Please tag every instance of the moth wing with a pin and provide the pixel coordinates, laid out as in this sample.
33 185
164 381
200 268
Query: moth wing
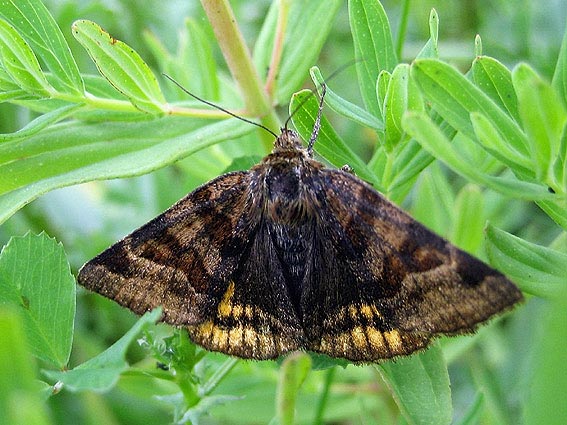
182 259
388 283
256 318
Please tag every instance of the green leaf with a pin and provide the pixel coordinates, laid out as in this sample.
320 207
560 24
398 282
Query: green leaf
422 128
20 63
434 200
420 386
454 98
192 65
556 210
469 219
293 372
35 278
19 399
344 107
309 24
32 19
560 164
559 81
491 140
328 144
381 89
395 104
121 66
102 372
494 79
431 48
41 122
536 269
74 153
543 117
374 48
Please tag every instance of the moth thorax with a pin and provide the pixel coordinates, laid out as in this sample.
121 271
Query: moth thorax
287 200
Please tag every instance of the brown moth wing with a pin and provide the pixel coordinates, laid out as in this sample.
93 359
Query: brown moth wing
255 318
388 284
205 261
180 260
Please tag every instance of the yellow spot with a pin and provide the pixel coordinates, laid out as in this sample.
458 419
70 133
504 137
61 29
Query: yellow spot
235 337
205 329
366 311
359 337
249 312
266 343
237 311
220 338
375 338
225 306
353 311
394 339
250 336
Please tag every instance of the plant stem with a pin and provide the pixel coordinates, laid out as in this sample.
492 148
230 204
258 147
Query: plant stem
283 12
324 397
402 29
239 62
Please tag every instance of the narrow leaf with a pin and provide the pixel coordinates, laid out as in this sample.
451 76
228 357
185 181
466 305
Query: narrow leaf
559 80
556 210
32 19
420 385
491 140
538 270
77 152
41 122
374 48
35 277
102 372
20 62
431 48
543 117
121 66
494 79
395 104
454 97
420 126
310 24
344 107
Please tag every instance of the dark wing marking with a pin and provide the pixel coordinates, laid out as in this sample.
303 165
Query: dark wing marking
255 318
386 284
181 260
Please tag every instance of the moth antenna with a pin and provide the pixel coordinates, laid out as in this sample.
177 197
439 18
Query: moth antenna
317 124
220 108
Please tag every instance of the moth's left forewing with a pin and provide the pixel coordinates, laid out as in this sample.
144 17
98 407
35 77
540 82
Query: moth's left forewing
181 260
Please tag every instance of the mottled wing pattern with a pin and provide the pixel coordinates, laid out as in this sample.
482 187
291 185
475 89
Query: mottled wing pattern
182 259
255 318
387 285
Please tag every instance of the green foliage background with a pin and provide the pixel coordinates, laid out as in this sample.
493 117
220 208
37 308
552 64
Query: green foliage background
467 133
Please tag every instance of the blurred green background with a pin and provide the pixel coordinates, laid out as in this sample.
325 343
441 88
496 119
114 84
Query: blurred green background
88 218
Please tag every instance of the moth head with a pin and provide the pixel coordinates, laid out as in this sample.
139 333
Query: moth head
288 140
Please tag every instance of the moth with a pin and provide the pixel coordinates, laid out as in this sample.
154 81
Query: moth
291 255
